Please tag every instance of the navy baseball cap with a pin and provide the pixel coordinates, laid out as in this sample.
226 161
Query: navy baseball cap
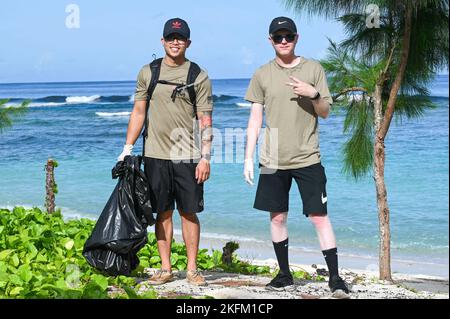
282 23
178 26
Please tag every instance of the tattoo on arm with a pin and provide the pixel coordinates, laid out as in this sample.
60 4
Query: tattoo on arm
205 119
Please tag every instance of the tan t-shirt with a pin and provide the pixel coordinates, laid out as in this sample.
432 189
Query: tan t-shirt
172 129
292 129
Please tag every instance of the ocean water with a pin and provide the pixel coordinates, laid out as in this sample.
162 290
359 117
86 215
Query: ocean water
83 127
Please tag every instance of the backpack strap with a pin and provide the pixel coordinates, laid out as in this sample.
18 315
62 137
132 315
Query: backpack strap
155 68
194 71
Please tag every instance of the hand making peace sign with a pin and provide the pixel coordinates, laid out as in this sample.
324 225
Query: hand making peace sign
302 88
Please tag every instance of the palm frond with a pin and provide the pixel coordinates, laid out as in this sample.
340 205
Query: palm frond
8 113
327 9
429 41
412 106
358 149
345 71
370 44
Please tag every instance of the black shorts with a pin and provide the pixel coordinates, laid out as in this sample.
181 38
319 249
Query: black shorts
172 182
274 185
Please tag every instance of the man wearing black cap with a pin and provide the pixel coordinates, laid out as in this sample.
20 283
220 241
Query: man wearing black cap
175 163
293 92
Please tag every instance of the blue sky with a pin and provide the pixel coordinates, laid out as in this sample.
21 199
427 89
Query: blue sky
115 38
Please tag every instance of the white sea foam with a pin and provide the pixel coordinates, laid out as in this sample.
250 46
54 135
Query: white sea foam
112 114
244 104
16 105
26 206
38 104
224 237
81 99
131 99
45 104
69 213
10 105
356 97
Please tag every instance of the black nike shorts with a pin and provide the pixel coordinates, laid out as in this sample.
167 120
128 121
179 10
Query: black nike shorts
173 182
272 194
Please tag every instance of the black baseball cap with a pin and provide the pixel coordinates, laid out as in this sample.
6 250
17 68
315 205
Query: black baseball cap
177 25
282 23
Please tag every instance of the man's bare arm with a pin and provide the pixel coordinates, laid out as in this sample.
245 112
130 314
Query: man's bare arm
321 107
205 119
203 168
253 129
137 120
254 126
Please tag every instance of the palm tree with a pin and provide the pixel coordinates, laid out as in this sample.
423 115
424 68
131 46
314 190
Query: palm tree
8 113
388 68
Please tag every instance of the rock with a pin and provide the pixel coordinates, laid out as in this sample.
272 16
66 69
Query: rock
322 272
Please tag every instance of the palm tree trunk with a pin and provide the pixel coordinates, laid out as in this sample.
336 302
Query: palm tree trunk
406 43
382 124
383 208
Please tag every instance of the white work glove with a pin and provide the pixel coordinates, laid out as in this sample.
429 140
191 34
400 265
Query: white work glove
127 149
248 171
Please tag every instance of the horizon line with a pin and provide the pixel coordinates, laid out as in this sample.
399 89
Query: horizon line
111 81
98 81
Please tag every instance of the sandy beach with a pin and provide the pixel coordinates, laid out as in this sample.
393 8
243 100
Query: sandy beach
361 275
363 285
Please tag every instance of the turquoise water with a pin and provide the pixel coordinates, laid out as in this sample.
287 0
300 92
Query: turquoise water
87 134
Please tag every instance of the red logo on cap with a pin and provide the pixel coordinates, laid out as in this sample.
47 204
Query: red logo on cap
176 25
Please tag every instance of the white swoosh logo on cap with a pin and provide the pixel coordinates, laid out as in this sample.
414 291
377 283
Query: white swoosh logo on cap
281 22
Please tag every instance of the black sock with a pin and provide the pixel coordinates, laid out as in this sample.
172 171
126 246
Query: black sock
281 250
331 259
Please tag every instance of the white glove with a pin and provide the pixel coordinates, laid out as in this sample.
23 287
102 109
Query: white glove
248 171
127 149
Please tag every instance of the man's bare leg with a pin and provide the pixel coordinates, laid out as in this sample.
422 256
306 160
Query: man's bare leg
164 235
324 231
191 236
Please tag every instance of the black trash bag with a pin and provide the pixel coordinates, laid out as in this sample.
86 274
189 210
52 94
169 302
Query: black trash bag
121 229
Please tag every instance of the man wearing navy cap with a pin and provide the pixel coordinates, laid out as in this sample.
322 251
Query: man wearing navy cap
176 162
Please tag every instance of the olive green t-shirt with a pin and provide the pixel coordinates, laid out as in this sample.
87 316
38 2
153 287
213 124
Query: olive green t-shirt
291 136
173 132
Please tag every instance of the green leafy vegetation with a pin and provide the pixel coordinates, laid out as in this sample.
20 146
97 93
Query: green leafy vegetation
304 275
41 257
